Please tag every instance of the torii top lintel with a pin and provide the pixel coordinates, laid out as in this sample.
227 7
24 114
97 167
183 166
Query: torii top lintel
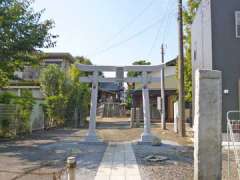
134 68
144 78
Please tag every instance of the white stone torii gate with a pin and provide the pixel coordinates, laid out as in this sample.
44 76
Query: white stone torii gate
145 79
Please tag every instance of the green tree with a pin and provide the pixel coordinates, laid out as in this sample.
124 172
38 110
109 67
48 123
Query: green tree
65 95
56 88
140 62
79 98
188 17
53 81
83 60
131 86
21 35
25 105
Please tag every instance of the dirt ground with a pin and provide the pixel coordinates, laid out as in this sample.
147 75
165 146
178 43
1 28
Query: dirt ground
110 130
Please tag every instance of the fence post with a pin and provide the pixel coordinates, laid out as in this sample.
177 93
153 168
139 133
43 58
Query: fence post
71 165
208 125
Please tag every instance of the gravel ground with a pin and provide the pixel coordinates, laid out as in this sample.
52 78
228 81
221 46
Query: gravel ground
44 153
233 167
177 167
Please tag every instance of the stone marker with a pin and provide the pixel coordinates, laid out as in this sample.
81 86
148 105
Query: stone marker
156 141
207 125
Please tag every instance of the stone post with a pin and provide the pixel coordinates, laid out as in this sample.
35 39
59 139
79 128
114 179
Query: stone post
146 137
207 125
71 167
91 135
132 118
175 126
137 117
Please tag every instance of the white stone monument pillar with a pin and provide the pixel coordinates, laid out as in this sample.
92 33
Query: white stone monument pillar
146 137
208 125
91 135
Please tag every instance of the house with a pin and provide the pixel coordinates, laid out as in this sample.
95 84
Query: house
64 60
28 80
110 96
29 73
110 92
215 46
155 92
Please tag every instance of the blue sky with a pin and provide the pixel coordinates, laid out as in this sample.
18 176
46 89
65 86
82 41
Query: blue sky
113 32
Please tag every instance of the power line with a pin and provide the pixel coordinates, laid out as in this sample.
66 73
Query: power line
131 22
160 28
129 38
170 18
155 40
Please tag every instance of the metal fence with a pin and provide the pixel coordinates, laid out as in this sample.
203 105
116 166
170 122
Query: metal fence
10 125
108 110
233 139
8 120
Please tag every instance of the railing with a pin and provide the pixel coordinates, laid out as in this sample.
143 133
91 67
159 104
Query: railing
12 125
233 139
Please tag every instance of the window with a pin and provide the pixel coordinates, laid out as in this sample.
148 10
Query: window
237 23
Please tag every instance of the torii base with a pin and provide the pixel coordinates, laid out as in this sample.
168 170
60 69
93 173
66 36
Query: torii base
92 138
146 138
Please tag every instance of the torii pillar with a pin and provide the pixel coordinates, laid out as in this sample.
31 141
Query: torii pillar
91 135
146 136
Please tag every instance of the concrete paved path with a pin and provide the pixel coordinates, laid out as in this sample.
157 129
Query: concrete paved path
118 163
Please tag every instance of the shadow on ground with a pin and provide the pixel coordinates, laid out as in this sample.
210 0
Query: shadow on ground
48 151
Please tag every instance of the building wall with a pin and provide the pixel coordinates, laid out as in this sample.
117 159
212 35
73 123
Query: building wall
226 50
202 38
33 73
201 41
170 79
215 46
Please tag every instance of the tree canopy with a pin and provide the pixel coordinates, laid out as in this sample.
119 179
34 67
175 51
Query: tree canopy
22 34
188 17
140 62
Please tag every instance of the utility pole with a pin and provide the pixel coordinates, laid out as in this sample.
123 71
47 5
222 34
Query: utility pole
181 116
163 117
